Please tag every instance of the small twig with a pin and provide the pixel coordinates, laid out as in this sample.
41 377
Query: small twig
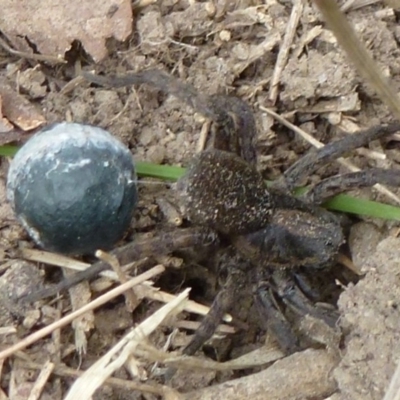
255 358
316 143
8 330
351 5
131 299
53 259
41 381
342 259
194 325
372 154
283 55
70 317
31 56
203 136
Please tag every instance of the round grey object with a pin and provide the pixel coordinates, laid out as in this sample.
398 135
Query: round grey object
73 187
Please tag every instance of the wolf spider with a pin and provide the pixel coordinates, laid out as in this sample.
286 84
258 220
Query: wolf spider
265 233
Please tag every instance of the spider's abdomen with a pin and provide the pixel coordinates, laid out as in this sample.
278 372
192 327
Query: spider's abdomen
294 238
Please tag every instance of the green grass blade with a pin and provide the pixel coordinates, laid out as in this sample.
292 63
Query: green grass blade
8 151
342 202
348 204
165 172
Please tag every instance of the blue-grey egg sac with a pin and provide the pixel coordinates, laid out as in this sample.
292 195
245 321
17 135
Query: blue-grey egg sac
73 188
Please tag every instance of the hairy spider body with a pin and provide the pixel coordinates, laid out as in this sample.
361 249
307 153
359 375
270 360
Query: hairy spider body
267 231
269 227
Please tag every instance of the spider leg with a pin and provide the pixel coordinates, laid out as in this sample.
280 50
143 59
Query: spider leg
222 303
236 128
163 243
164 82
294 298
309 163
274 321
334 185
306 286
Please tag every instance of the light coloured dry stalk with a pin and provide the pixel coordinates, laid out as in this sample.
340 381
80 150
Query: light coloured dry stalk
34 337
95 376
284 50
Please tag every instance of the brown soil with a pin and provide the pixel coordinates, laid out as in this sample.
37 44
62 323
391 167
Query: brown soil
223 47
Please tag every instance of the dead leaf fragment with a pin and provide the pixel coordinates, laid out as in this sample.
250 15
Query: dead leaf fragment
19 110
54 25
5 126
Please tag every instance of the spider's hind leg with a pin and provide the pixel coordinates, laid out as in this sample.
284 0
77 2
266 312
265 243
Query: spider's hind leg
315 159
334 185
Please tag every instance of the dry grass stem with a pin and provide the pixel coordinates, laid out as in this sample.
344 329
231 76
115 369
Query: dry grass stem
63 371
194 325
7 330
201 143
94 377
131 299
41 381
256 358
34 337
32 56
143 290
351 5
372 154
358 54
393 392
284 50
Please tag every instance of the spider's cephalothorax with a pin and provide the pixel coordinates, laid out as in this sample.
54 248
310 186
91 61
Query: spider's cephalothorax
267 232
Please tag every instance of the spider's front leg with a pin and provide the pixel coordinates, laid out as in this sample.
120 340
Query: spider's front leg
237 279
286 288
273 319
162 243
283 285
291 239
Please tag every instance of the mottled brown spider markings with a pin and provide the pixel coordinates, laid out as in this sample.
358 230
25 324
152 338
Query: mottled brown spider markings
270 233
